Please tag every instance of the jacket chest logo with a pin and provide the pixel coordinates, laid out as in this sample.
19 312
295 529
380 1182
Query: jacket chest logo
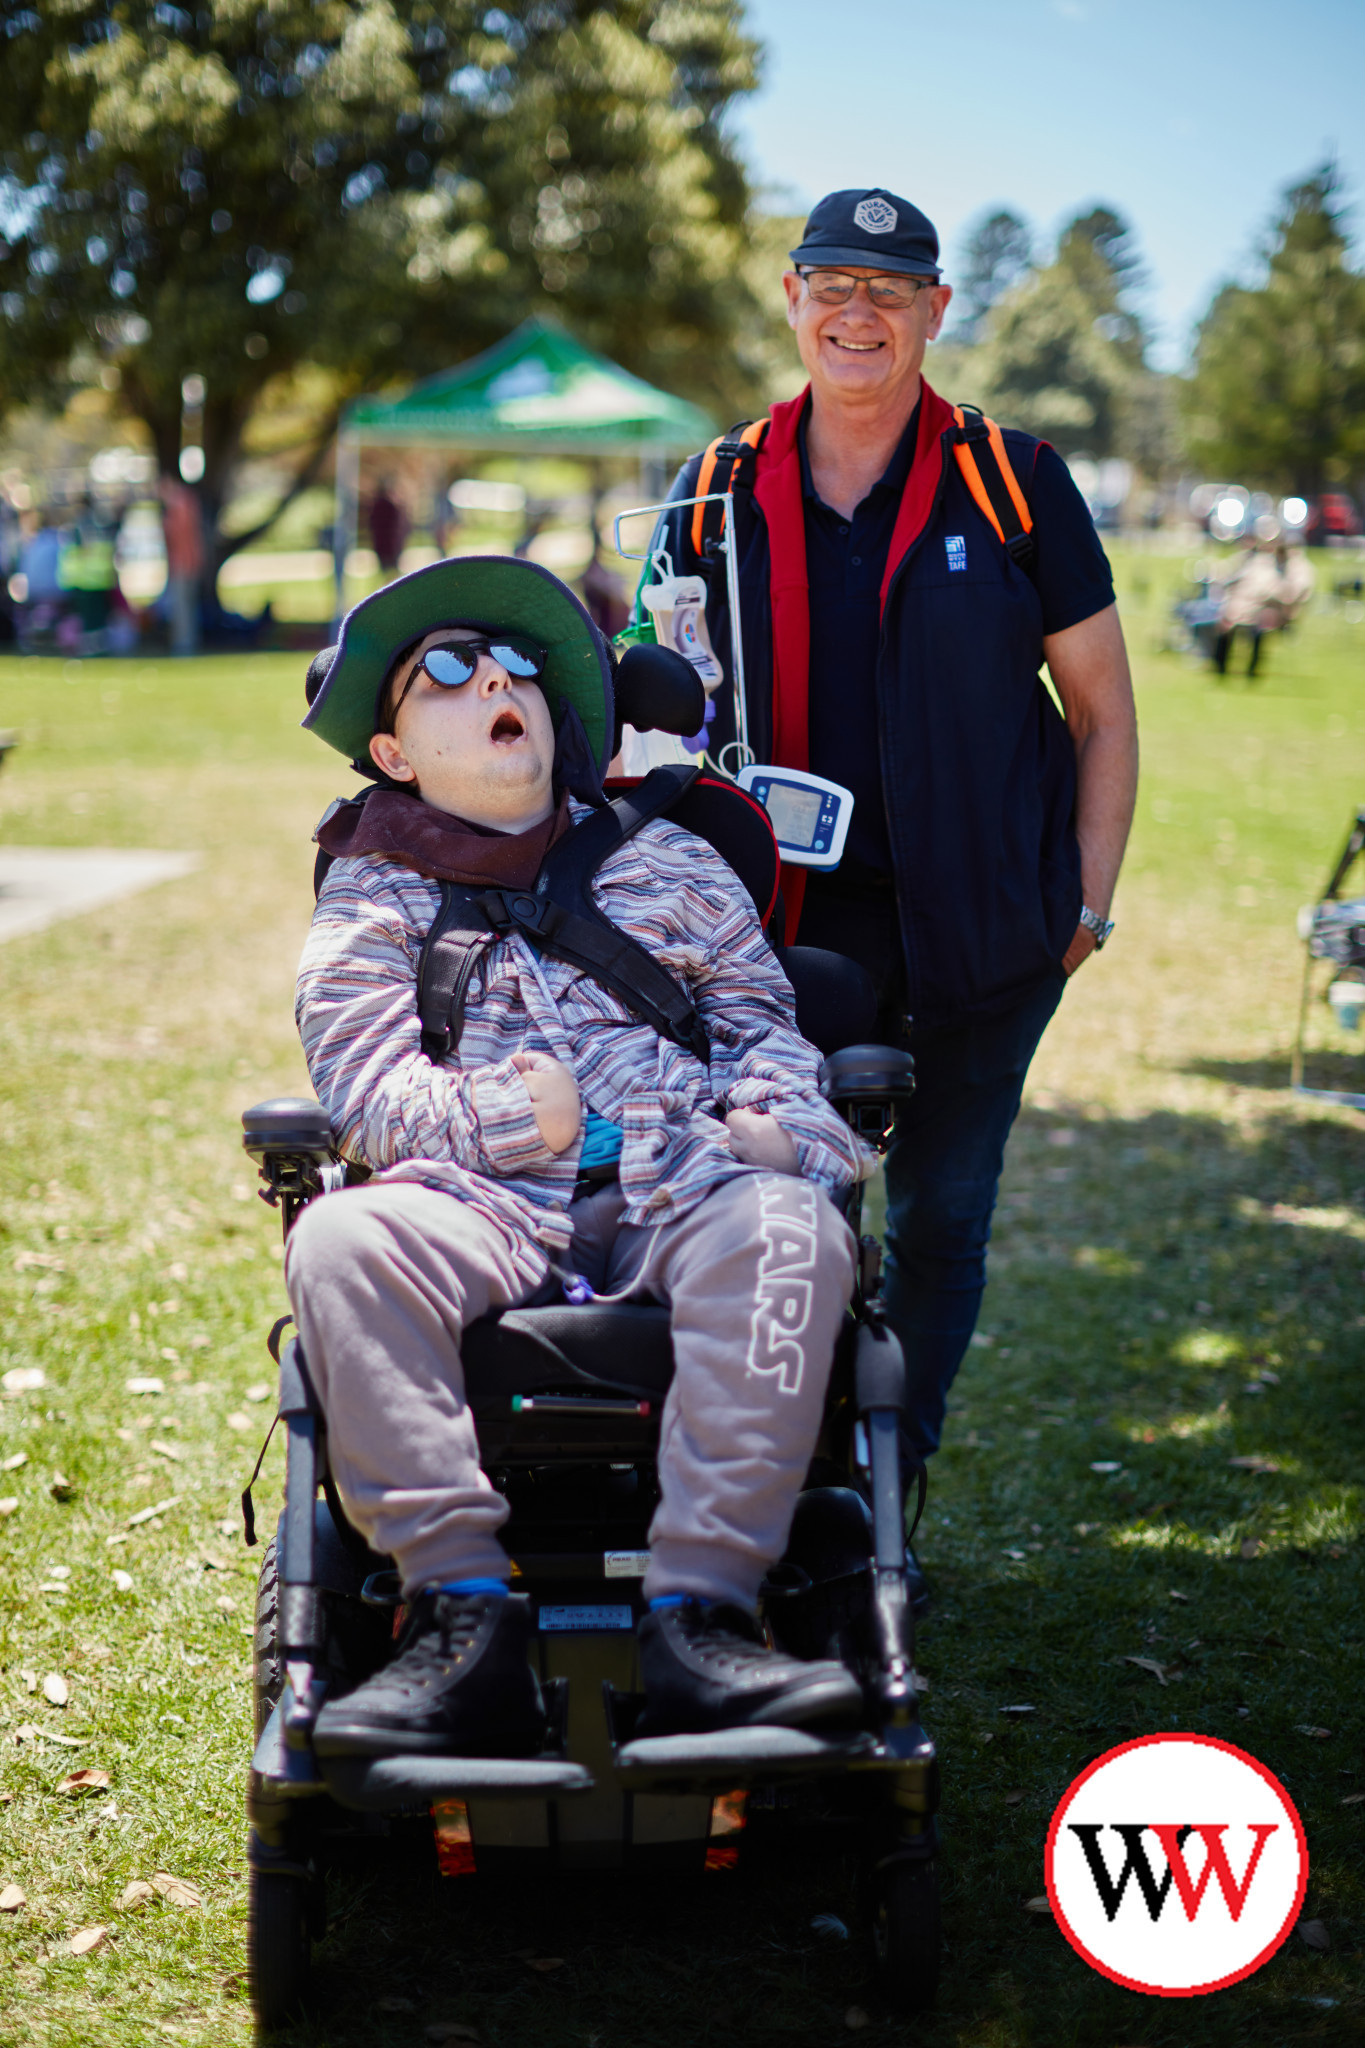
956 548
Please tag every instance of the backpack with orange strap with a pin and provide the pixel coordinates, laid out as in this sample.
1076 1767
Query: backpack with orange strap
730 463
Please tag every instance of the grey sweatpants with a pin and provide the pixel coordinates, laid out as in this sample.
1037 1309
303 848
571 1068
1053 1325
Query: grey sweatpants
384 1278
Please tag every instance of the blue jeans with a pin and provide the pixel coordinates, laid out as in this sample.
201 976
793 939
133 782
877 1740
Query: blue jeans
942 1172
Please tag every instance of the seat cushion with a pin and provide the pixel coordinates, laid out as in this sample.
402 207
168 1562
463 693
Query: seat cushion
624 1347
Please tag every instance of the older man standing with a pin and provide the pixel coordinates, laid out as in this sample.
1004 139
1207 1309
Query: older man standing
894 628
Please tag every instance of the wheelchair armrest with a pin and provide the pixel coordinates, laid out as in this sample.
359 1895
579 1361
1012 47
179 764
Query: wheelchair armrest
867 1082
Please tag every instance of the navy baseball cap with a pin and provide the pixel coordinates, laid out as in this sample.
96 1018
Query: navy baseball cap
872 229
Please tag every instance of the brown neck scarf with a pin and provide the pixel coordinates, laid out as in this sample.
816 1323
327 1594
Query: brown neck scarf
436 844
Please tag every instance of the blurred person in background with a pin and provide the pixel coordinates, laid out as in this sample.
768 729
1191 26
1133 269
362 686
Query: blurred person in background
1267 590
39 594
87 572
893 644
388 526
183 524
40 555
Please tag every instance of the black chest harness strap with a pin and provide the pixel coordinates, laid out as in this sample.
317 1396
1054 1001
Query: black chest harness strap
560 917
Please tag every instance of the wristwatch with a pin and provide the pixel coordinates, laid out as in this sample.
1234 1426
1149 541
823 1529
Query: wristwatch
1100 926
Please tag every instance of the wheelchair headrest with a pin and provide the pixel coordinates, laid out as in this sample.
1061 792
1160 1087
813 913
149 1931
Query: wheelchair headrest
657 690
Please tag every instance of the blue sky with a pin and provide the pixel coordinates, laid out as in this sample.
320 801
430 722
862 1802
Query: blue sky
1187 115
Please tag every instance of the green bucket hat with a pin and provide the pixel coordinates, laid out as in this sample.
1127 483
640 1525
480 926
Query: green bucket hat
498 592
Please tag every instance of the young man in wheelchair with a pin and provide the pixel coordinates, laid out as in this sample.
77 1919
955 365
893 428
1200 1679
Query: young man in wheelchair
560 1134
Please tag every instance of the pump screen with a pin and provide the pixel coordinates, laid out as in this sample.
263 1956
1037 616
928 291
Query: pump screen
795 813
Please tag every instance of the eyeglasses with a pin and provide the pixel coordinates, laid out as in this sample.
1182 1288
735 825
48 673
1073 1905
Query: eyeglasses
888 290
455 662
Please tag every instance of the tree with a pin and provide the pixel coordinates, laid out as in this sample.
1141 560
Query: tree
1277 396
378 187
997 254
1062 354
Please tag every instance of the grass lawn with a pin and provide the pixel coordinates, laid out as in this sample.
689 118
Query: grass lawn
1175 1283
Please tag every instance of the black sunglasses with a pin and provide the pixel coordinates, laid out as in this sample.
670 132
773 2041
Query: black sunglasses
456 662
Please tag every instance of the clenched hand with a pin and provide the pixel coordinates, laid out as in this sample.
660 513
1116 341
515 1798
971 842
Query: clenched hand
757 1139
554 1097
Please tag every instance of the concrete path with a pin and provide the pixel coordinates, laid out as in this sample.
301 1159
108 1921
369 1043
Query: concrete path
39 884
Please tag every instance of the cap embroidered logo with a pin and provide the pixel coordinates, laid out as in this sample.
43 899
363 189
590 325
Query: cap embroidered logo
875 216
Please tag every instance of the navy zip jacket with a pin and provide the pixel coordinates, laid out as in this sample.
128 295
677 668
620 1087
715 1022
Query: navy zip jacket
978 769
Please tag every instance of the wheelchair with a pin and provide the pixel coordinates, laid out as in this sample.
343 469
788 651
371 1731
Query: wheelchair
567 1401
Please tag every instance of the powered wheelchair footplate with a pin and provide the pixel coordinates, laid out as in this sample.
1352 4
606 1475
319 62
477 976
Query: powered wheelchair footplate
567 1402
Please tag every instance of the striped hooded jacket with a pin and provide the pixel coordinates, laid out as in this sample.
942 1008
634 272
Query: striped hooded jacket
467 1125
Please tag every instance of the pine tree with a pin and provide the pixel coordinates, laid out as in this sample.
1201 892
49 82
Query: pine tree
1277 397
997 254
1061 353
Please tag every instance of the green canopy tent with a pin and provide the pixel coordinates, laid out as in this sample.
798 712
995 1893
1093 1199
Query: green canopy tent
537 392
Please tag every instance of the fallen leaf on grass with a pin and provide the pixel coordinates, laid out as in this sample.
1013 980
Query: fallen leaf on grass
1013 1798
61 1487
12 1898
9 1504
1019 1556
135 1895
1158 1671
1318 1734
178 1891
145 1383
1025 1709
23 1379
1042 1904
260 1392
1182 1598
1249 1547
30 1679
855 2017
451 2030
238 1421
1314 1935
165 1450
1354 1799
1254 1464
123 1582
150 1514
85 1781
56 1691
89 1939
27 1732
13 1464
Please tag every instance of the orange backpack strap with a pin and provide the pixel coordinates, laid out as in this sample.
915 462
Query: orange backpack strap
729 464
979 448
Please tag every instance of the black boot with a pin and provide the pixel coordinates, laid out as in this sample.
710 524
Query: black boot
706 1667
461 1685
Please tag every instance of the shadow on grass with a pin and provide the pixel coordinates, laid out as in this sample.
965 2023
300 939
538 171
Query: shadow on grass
1340 1072
1168 1295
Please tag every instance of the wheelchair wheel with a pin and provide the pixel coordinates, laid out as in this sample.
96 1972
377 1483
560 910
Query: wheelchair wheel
277 1946
907 1934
